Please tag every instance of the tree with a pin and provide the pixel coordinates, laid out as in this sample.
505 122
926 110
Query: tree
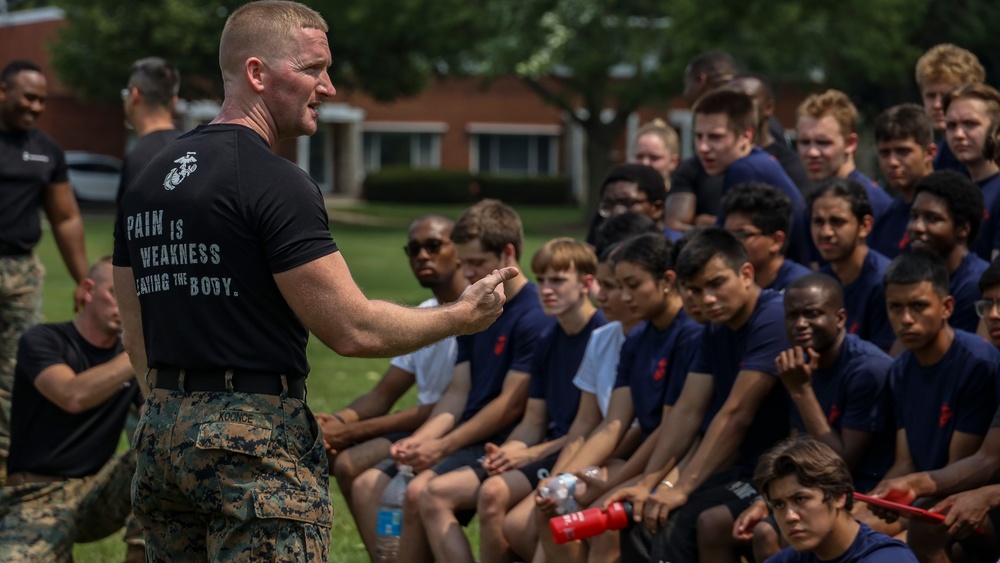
377 44
620 54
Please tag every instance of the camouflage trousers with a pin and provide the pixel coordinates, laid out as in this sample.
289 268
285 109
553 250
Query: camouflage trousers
231 477
21 279
41 521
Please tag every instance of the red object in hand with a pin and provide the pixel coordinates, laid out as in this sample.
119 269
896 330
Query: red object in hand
590 522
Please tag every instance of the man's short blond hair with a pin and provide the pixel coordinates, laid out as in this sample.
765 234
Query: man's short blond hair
948 64
833 103
263 29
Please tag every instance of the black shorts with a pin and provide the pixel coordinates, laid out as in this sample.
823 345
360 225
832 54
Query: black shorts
539 470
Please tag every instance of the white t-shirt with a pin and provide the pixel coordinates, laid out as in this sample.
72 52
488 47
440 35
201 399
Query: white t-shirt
599 367
432 365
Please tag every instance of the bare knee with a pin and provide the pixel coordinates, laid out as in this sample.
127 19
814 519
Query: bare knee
715 524
493 498
344 468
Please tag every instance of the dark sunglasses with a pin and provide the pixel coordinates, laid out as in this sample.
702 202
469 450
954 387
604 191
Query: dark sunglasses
432 246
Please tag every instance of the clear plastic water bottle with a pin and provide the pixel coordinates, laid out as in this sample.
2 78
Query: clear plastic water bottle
564 488
390 517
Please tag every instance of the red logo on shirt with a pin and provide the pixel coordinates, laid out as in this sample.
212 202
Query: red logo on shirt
661 369
499 346
854 328
904 241
946 415
834 414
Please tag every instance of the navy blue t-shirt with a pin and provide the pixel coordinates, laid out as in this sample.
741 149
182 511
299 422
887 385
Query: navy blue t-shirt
854 394
724 353
508 344
789 271
759 166
957 394
652 360
890 236
557 359
864 299
868 546
989 231
944 159
963 285
791 163
878 197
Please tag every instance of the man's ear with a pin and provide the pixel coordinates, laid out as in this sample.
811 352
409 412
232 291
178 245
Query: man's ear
87 285
851 143
253 71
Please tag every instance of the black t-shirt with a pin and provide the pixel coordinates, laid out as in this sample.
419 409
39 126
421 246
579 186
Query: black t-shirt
691 177
46 439
145 148
29 162
204 227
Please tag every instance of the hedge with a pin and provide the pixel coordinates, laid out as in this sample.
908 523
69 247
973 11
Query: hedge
448 186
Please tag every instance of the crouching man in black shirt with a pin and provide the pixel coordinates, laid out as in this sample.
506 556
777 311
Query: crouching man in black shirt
73 386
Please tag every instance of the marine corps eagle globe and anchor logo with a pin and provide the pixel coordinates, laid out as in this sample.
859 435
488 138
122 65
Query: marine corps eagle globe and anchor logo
188 164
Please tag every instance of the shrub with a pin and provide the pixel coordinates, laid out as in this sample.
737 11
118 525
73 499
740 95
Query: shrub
405 185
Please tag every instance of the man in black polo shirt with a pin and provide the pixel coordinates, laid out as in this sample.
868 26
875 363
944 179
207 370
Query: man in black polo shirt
72 389
32 176
227 248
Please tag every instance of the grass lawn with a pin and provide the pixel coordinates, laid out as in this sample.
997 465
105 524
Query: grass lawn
371 239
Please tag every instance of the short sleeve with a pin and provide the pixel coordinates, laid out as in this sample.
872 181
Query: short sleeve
291 222
684 353
464 343
701 358
896 388
39 348
540 367
586 375
879 330
525 337
977 399
406 362
625 360
765 341
684 180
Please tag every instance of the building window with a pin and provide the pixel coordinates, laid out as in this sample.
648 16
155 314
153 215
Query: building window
529 155
413 150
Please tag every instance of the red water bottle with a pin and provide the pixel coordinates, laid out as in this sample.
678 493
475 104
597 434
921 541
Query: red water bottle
590 522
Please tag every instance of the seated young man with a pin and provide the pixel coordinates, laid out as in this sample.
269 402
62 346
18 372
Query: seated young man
760 216
73 387
359 435
650 372
970 113
808 488
488 389
633 187
725 124
904 137
826 139
972 514
946 214
943 384
940 70
564 270
731 395
839 389
841 222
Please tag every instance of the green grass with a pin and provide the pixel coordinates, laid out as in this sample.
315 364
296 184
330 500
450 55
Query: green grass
373 251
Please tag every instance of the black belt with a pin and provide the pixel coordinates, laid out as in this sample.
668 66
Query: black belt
10 250
243 381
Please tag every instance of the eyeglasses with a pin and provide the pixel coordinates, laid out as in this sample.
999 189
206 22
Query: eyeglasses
985 306
743 235
432 246
609 206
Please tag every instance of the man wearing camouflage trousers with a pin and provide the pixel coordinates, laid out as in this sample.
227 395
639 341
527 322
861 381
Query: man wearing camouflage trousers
33 176
73 388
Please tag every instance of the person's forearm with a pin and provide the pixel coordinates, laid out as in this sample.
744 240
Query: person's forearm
635 465
724 435
815 421
671 446
965 474
545 449
69 237
598 447
403 421
494 417
96 385
369 405
528 432
130 312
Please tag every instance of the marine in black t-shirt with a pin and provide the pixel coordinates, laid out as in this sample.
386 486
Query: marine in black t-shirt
145 148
